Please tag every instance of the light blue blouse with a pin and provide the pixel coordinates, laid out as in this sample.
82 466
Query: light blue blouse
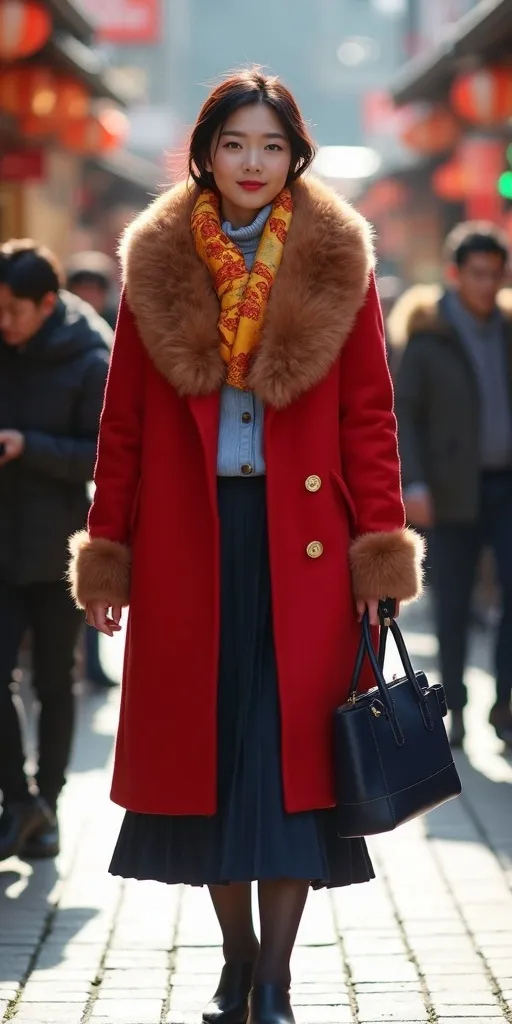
240 445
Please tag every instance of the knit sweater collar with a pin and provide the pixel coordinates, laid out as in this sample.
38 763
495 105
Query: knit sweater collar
245 237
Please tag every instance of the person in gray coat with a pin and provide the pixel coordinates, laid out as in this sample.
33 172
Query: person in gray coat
54 353
454 409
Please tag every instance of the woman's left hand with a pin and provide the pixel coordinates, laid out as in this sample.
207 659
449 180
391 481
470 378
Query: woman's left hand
373 610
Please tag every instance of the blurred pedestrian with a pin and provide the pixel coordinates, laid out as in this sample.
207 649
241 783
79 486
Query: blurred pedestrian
53 364
454 407
234 553
92 275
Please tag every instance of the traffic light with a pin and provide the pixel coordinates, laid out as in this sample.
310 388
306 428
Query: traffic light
505 184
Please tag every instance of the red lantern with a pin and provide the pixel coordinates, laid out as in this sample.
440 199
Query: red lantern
432 132
28 90
25 27
37 93
92 135
73 99
39 127
484 96
449 181
484 160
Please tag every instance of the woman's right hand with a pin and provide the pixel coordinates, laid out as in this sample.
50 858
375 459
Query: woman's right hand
97 615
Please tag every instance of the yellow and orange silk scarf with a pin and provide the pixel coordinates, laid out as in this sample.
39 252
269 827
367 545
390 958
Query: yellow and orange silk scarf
243 296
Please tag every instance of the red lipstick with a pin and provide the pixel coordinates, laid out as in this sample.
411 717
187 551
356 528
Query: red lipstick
251 186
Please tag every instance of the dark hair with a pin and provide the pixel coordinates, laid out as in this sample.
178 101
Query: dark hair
242 90
30 270
91 267
79 277
475 236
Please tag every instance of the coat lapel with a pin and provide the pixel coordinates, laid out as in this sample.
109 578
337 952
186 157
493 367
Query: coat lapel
317 293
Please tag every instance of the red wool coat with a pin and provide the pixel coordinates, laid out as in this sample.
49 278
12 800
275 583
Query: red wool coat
335 515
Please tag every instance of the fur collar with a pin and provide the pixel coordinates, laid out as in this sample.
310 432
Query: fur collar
317 293
417 312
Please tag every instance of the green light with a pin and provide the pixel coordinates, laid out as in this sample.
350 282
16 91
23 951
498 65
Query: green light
505 185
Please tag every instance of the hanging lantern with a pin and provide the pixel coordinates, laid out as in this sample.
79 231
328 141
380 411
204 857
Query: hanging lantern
433 131
484 160
91 135
38 127
37 92
28 90
484 96
73 99
24 28
449 182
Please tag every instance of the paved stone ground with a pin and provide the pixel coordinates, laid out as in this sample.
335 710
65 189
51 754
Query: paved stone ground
429 940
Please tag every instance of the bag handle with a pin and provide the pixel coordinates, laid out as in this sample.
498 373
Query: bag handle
366 648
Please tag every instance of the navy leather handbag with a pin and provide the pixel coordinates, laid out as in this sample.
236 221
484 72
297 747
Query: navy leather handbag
392 757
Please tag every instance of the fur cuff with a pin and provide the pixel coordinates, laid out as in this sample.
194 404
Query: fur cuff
387 565
99 570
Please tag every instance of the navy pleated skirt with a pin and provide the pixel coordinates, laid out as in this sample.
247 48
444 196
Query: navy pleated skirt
251 836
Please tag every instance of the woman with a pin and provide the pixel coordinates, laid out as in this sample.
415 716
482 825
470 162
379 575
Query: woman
248 508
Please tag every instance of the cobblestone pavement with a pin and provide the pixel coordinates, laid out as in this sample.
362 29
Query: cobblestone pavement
429 940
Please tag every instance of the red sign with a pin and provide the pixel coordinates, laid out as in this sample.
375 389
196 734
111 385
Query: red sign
124 21
22 165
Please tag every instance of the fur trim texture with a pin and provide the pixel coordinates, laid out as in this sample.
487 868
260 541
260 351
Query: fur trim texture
99 570
387 565
321 285
417 310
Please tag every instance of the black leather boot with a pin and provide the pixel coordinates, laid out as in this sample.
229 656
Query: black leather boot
270 1004
43 843
20 821
501 721
230 1004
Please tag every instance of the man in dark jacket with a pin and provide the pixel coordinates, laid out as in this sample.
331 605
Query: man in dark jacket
454 409
54 354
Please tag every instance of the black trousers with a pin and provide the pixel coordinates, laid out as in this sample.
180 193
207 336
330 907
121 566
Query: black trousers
454 550
47 611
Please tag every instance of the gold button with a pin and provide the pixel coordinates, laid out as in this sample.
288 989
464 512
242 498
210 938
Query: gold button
313 483
246 469
315 549
246 417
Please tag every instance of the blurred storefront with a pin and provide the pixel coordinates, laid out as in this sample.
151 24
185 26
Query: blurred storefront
114 188
450 106
60 119
138 40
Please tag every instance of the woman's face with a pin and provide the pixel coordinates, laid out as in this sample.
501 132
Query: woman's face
250 161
